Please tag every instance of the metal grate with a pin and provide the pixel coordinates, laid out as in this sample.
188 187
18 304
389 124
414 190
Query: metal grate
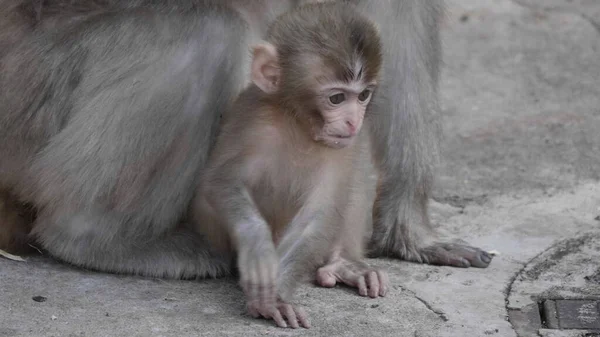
571 314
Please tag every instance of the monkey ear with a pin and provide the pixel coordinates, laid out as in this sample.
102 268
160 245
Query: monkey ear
265 67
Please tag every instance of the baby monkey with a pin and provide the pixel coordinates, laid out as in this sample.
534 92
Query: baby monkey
284 187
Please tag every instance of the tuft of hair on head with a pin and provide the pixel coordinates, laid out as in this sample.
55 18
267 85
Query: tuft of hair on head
324 43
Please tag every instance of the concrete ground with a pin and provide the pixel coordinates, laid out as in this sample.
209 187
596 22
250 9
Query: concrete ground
521 175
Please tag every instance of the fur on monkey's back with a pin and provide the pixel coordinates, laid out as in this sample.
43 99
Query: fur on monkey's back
38 7
81 51
17 16
38 10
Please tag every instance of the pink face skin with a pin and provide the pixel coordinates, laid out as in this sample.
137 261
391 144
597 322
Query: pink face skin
342 107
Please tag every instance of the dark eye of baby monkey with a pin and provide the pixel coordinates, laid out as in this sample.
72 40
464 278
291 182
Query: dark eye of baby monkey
363 96
337 98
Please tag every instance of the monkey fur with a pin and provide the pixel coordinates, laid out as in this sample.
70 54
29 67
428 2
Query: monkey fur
286 177
109 110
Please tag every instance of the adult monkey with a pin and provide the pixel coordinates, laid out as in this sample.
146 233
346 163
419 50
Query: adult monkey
108 109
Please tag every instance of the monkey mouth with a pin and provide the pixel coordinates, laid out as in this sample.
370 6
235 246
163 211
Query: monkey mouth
337 142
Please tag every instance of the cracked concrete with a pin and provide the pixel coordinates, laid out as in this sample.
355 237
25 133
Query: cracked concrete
436 311
520 174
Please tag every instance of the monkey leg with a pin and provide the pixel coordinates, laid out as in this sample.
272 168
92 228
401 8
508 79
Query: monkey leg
409 236
405 130
108 242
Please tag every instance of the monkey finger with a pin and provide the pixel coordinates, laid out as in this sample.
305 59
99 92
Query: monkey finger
276 316
361 284
384 282
269 313
290 315
302 317
350 278
373 284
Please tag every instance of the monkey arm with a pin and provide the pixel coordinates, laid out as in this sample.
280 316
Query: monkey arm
228 187
308 241
301 253
257 258
231 200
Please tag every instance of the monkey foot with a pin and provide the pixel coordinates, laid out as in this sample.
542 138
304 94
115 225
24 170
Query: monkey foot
280 312
369 281
455 255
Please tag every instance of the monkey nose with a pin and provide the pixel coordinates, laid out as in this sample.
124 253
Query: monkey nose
351 127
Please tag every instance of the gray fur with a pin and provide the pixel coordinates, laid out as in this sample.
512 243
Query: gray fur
406 129
106 124
108 110
404 118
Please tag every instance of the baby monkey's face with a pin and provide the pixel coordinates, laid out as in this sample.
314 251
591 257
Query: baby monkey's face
342 108
324 74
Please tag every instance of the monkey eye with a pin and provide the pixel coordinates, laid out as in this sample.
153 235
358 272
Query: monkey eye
364 95
337 98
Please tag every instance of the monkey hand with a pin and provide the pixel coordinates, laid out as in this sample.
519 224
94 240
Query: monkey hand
280 311
258 265
369 281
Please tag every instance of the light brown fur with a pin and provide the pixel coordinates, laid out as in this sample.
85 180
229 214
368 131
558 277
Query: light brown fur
277 141
284 187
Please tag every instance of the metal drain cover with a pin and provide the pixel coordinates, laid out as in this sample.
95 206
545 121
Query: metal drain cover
558 292
571 314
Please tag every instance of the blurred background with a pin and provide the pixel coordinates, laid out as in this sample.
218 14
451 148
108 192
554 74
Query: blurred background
521 95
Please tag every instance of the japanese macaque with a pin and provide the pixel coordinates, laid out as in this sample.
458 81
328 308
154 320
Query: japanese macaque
284 184
109 109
